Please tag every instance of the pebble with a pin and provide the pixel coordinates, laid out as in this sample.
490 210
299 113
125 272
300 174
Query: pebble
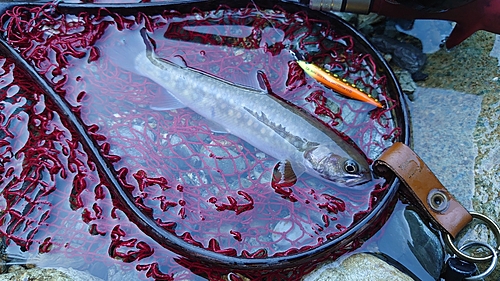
52 274
358 267
406 82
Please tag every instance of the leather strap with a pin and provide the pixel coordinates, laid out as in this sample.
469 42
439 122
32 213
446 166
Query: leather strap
424 187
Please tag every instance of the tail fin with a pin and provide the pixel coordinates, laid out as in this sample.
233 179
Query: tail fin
122 47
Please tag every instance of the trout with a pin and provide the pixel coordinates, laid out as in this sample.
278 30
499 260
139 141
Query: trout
300 142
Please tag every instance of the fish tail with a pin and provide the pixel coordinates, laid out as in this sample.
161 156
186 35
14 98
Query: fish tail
123 47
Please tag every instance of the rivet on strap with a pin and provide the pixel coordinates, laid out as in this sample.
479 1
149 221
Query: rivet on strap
424 188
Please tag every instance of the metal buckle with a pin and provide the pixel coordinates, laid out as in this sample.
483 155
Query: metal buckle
458 252
493 262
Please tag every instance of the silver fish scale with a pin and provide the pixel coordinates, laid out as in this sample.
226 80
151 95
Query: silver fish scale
269 124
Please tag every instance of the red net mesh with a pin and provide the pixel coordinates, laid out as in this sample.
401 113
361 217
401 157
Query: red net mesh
212 190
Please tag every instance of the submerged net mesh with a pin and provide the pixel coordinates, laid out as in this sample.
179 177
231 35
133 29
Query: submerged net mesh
211 189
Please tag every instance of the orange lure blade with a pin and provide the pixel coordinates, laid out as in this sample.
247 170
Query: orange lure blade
337 84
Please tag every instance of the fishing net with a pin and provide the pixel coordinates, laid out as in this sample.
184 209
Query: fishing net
210 189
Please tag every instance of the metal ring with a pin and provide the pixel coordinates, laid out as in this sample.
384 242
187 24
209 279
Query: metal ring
491 224
492 264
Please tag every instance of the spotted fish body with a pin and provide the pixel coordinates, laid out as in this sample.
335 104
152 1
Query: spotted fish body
265 121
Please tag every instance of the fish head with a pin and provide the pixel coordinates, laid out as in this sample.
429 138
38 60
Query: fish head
342 170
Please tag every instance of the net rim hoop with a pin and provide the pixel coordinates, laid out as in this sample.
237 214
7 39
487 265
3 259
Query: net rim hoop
162 236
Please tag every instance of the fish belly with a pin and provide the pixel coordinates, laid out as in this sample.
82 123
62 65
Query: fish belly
252 115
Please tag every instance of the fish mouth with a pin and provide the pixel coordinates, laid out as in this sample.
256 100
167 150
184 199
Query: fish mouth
363 178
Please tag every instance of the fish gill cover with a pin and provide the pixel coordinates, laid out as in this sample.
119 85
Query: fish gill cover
212 190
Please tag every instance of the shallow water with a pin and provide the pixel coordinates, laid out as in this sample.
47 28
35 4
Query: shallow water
209 189
432 33
454 131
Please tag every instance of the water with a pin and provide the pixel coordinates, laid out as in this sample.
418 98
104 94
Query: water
210 189
455 130
432 33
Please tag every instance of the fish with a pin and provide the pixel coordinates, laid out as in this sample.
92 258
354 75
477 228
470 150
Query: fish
337 84
299 141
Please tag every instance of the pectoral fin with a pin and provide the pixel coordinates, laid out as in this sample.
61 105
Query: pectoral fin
165 101
216 127
285 174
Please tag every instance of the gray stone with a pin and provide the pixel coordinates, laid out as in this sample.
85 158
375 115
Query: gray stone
405 244
49 274
443 122
404 55
358 267
408 242
406 82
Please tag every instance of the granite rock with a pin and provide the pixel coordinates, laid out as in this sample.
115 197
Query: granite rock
358 267
48 274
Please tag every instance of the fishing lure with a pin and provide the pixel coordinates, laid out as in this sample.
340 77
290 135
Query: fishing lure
337 84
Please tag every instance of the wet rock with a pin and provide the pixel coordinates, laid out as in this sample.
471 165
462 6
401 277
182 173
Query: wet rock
404 24
404 249
404 55
3 256
426 245
487 172
358 267
480 76
410 244
443 123
391 29
407 84
465 158
495 51
46 274
369 24
348 17
419 76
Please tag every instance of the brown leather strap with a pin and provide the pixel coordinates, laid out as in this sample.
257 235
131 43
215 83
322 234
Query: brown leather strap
426 190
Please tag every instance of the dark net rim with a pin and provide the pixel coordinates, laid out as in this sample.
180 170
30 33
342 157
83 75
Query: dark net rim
162 236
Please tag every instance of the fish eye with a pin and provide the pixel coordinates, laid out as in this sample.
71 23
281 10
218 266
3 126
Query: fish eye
351 167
